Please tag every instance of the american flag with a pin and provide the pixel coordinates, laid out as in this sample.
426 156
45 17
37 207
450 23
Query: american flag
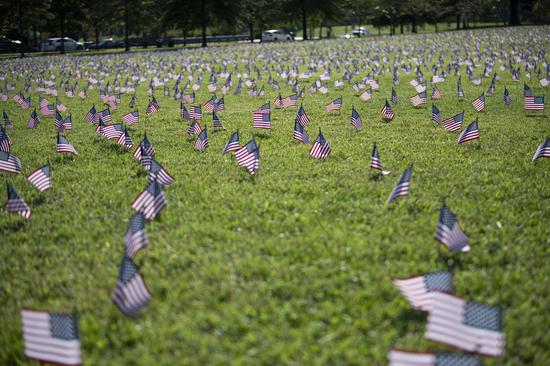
210 104
113 131
48 110
527 90
9 162
184 112
460 92
302 117
278 102
393 96
265 108
105 115
51 337
220 105
470 133
355 119
479 103
436 94
82 94
136 236
201 143
506 97
194 129
289 101
7 121
5 141
26 103
131 294
16 204
403 185
531 103
133 101
195 112
335 105
188 98
58 120
408 358
60 106
91 115
448 232
64 146
387 112
18 98
144 157
131 117
375 162
151 201
216 121
491 88
543 150
125 139
320 148
248 156
261 119
147 148
419 290
419 99
232 144
152 108
41 178
42 102
300 133
366 95
470 326
454 123
34 120
436 115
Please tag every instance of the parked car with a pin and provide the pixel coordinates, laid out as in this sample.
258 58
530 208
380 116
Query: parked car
107 44
275 35
9 45
54 44
360 32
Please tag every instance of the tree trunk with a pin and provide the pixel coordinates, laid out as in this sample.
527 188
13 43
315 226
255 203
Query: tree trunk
464 24
458 22
321 31
401 28
514 12
414 30
251 27
304 20
203 23
126 30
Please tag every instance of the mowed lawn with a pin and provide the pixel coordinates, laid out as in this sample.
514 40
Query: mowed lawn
292 266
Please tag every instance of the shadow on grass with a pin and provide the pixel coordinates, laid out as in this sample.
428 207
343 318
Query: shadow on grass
14 224
119 149
263 136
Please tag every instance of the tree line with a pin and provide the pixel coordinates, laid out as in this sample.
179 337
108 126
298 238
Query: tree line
31 20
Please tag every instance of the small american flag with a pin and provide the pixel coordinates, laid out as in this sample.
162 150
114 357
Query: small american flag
216 121
9 162
51 337
375 162
64 146
302 117
16 204
91 115
479 103
34 120
125 139
470 133
260 119
289 101
278 102
320 148
436 94
387 112
136 236
194 129
448 232
393 96
506 97
436 115
66 124
527 90
470 326
41 178
403 185
232 144
145 147
300 134
419 99
151 201
105 115
5 141
355 119
248 156
408 358
335 105
460 92
195 112
131 117
133 101
543 150
48 110
201 143
7 121
152 108
531 103
210 104
184 112
454 123
419 290
60 106
220 105
131 294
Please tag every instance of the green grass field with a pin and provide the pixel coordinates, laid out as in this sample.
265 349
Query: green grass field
292 266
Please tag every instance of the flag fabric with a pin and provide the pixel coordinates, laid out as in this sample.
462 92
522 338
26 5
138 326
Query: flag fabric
531 103
113 131
454 123
479 103
419 99
136 236
543 150
506 97
278 102
194 129
48 110
469 133
302 117
34 120
151 201
201 143
419 290
131 117
448 232
355 119
248 156
125 139
261 119
9 162
210 104
51 337
265 108
387 112
300 133
5 141
145 148
232 144
105 115
470 326
436 115
460 92
366 95
195 112
527 90
289 101
216 121
409 358
131 294
151 109
91 115
320 148
16 204
403 185
60 106
220 105
58 120
41 178
64 146
7 121
393 96
436 94
335 105
184 112
375 162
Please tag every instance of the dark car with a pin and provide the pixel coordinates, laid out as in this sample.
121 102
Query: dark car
8 45
107 44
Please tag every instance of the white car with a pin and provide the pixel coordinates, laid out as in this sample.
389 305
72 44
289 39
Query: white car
54 44
275 35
